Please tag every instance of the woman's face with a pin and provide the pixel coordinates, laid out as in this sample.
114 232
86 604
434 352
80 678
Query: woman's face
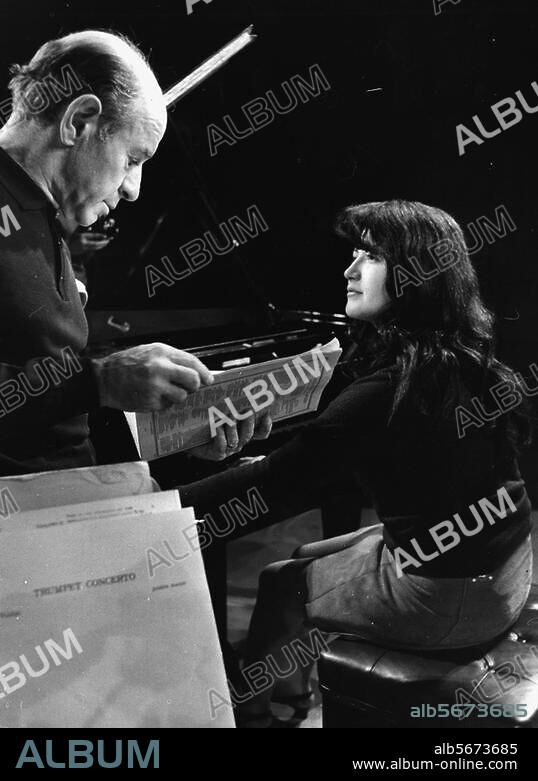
367 295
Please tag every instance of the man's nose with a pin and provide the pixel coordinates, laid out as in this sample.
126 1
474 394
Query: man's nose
130 188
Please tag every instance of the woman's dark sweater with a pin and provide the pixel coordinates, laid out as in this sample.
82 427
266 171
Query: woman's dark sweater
417 471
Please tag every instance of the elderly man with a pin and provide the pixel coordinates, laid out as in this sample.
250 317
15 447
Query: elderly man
72 160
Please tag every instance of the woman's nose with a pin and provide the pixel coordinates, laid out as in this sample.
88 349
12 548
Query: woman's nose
353 270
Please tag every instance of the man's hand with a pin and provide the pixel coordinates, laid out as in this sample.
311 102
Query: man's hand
82 243
230 440
149 377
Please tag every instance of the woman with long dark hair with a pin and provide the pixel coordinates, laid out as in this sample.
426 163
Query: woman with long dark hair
449 566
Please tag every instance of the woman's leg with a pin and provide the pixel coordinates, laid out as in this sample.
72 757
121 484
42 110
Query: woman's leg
277 620
278 623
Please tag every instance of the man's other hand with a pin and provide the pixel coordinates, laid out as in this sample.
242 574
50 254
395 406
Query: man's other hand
82 243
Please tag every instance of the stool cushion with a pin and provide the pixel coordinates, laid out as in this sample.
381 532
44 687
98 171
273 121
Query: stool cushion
371 678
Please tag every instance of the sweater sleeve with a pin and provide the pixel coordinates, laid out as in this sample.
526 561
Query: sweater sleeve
293 478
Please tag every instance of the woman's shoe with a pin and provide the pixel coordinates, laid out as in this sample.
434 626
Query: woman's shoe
301 704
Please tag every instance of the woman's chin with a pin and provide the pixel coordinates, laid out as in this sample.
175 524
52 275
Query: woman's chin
354 311
359 311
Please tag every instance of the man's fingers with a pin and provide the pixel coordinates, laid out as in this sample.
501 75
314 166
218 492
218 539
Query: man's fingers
172 395
183 359
183 377
149 377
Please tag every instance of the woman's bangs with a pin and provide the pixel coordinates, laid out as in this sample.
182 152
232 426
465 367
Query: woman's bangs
365 227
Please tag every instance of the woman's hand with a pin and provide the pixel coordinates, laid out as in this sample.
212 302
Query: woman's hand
230 440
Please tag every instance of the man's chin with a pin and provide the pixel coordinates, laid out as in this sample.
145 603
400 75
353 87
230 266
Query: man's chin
86 221
87 217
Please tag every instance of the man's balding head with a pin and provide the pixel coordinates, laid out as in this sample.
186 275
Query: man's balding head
87 113
101 63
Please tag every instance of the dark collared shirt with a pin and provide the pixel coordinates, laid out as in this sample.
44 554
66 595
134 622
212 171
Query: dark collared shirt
46 389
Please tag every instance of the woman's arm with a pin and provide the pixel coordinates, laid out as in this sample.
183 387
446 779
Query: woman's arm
293 478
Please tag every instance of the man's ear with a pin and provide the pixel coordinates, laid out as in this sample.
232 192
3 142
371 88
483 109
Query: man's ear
80 117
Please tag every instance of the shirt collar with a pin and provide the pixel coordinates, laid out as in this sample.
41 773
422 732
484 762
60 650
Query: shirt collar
21 186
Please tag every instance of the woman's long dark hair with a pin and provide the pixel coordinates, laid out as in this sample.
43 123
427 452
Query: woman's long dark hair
436 325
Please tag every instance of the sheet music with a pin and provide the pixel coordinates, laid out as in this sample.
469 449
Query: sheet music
187 425
149 653
70 486
104 509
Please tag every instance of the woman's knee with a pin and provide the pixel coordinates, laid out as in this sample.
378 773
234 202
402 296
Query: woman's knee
284 577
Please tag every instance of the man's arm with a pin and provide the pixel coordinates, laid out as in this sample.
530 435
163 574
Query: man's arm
141 379
45 391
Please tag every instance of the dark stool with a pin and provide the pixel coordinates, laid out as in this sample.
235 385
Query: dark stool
365 685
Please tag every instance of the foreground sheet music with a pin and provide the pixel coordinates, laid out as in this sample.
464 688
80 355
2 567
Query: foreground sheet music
107 622
70 486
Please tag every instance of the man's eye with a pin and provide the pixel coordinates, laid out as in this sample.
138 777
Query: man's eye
133 161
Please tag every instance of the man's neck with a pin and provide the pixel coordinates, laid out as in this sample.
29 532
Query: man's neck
23 145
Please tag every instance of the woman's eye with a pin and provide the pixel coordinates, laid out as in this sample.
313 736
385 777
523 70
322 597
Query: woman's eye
366 253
